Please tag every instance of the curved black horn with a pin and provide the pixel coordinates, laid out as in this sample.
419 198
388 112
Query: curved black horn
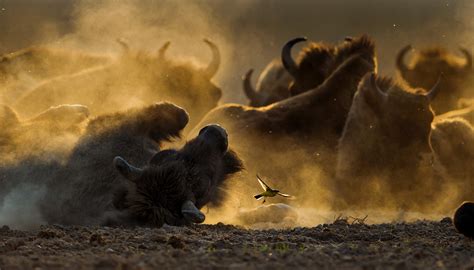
434 90
373 82
130 172
286 58
468 57
249 91
213 66
400 59
163 49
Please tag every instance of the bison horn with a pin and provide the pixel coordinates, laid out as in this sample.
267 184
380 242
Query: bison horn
124 44
250 92
468 56
212 68
373 82
163 49
286 58
191 213
434 90
130 172
400 60
348 39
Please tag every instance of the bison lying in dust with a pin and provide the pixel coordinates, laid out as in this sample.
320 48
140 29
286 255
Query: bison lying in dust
452 140
98 185
135 79
22 70
309 123
272 85
427 66
384 153
50 131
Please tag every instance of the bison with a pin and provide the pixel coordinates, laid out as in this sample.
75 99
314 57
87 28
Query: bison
307 126
452 140
99 185
272 85
463 219
385 149
426 67
23 69
318 60
56 128
136 79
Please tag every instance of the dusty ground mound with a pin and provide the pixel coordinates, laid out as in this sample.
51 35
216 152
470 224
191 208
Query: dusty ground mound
341 245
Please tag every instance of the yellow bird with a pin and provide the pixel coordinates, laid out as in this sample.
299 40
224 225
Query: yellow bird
268 191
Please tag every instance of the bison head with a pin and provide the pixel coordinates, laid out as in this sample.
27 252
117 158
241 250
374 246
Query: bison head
189 86
429 64
177 183
272 85
404 116
317 61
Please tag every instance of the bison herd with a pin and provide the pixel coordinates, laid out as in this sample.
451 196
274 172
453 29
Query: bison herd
367 140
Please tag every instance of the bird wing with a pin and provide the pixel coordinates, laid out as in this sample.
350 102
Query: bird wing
264 186
283 194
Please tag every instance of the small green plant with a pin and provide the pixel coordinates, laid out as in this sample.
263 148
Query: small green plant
282 247
264 248
210 249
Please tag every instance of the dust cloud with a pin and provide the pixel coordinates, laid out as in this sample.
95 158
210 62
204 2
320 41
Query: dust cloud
249 34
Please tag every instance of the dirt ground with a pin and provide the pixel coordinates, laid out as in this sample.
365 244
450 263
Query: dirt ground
340 245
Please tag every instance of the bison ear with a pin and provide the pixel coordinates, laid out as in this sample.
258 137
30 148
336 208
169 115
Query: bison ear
130 172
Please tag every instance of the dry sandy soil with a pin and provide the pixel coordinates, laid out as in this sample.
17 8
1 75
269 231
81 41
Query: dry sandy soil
341 245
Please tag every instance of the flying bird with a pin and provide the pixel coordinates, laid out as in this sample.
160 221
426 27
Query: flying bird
268 191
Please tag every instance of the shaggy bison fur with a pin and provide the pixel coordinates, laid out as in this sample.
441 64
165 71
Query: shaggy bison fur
317 61
306 126
99 185
385 148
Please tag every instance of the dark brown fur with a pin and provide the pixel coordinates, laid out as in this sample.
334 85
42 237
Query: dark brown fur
317 61
384 154
89 190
